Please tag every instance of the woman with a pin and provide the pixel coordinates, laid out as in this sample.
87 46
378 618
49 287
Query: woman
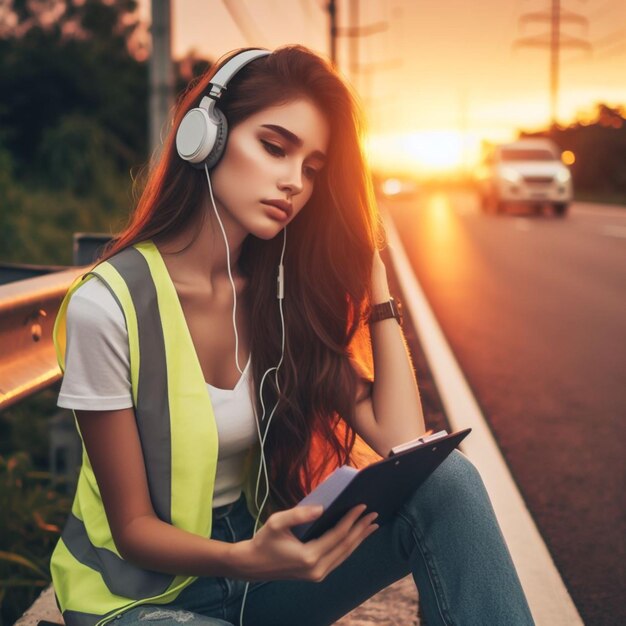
175 481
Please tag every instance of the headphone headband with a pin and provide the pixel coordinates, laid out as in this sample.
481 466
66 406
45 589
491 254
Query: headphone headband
221 79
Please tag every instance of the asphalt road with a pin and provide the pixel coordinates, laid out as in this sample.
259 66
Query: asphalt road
534 308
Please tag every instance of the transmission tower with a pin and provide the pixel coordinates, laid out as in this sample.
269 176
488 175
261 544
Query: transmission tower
554 40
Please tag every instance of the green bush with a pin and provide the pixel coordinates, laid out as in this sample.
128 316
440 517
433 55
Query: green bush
37 222
32 514
33 508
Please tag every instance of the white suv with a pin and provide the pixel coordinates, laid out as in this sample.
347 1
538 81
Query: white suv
527 171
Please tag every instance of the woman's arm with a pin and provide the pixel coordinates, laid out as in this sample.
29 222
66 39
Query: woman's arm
392 414
114 449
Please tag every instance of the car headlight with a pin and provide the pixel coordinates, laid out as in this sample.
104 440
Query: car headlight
563 176
510 175
392 187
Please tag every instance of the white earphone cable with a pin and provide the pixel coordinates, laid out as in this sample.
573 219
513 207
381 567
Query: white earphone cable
230 276
276 368
263 463
262 437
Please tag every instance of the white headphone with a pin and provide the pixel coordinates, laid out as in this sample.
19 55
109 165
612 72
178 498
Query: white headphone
201 136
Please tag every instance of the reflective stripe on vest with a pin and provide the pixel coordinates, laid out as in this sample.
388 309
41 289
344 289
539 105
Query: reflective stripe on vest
178 435
76 618
153 415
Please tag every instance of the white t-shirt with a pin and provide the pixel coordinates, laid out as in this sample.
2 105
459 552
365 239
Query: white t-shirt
97 377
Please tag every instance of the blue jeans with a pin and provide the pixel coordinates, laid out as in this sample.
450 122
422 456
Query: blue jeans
445 535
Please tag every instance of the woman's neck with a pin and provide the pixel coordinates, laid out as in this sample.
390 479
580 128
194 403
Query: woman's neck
198 254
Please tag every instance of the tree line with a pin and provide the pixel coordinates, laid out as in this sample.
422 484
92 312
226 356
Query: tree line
599 146
73 121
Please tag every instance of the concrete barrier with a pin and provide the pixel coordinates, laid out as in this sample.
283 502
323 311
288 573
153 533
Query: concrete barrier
44 607
394 606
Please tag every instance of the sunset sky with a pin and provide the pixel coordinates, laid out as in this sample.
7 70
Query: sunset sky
453 77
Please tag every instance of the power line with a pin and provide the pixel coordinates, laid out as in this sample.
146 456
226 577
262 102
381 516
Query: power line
609 40
306 7
239 14
605 54
606 44
602 10
613 52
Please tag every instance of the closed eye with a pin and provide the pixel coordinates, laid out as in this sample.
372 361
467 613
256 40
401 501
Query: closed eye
273 148
311 172
277 151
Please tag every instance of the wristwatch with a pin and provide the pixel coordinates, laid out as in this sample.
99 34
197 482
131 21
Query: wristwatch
384 310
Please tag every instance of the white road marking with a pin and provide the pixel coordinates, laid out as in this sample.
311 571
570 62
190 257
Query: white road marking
549 600
613 230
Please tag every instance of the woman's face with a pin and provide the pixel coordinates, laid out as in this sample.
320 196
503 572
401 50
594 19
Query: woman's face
273 156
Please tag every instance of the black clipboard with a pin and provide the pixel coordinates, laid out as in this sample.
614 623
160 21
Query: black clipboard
384 485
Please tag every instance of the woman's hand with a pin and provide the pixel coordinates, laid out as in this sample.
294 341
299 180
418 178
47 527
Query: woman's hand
275 553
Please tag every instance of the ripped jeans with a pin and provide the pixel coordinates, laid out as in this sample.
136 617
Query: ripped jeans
445 535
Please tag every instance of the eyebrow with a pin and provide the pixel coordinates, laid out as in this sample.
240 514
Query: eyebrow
293 139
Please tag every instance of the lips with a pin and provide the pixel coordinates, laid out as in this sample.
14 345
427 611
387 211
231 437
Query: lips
283 205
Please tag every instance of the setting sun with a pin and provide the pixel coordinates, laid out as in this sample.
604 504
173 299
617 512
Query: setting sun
423 152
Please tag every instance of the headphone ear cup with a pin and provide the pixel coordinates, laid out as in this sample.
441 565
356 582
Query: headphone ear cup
219 145
195 136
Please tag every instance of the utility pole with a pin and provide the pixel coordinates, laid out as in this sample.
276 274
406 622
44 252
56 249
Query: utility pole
354 43
555 40
555 36
354 31
332 14
362 74
161 72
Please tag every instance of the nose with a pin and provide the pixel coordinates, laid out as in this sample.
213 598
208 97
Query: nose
291 182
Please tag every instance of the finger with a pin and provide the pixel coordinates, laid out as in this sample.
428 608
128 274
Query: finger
292 517
331 538
341 529
336 557
357 534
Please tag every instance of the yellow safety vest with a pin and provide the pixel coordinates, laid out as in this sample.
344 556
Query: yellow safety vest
176 424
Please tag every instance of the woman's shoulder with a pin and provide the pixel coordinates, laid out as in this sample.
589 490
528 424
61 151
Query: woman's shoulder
93 304
97 363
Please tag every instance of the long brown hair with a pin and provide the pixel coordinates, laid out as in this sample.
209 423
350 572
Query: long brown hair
328 263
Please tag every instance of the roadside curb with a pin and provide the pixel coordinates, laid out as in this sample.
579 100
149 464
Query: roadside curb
549 600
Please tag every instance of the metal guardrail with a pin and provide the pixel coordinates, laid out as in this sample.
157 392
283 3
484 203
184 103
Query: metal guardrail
28 309
28 364
11 272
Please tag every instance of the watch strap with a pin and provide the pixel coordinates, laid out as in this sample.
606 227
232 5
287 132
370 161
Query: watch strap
385 310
